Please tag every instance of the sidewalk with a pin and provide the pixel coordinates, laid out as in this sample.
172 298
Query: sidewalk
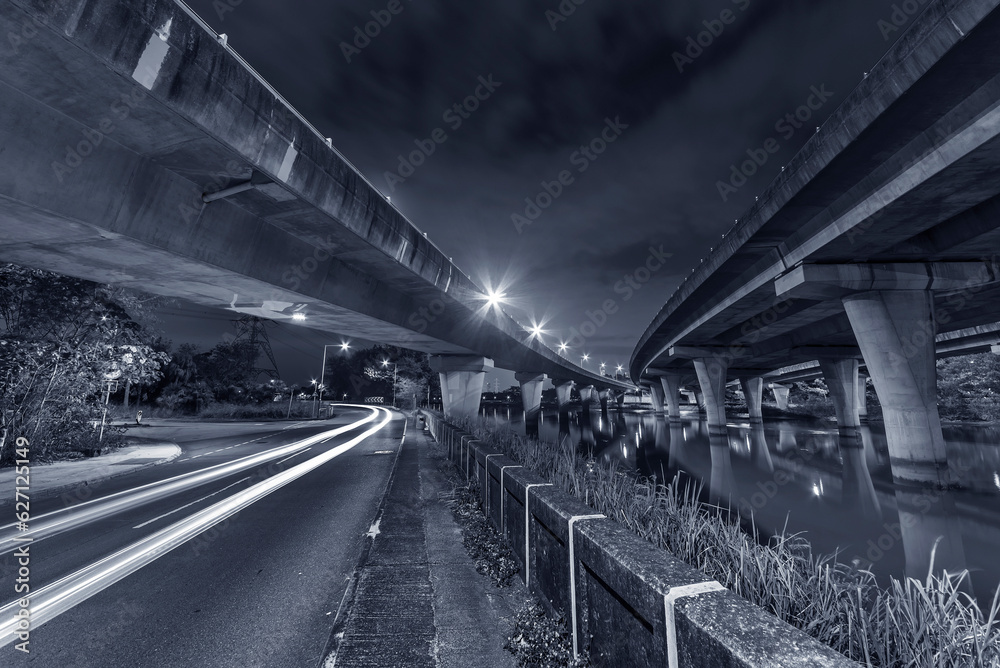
418 599
54 478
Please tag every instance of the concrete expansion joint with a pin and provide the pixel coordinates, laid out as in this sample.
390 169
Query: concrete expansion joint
486 482
572 576
669 603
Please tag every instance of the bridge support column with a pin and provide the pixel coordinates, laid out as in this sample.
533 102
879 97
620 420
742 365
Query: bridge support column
699 398
863 397
896 330
604 396
461 383
564 394
531 398
712 373
586 397
753 392
656 392
841 377
780 395
671 384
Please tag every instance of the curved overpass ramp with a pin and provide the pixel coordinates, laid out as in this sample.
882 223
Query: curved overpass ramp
140 150
880 236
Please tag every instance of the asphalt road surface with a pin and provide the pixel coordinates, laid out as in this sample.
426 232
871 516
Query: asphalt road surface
237 553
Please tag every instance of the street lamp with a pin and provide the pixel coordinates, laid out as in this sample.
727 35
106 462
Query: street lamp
344 346
563 347
386 363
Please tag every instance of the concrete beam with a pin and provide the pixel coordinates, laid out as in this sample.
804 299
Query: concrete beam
835 281
895 330
462 379
863 397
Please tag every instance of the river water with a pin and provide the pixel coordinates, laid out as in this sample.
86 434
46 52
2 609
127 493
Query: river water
795 474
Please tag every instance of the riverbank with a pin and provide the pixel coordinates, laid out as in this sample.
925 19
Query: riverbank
908 623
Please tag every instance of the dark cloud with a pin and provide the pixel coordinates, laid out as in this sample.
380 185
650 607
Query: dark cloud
655 185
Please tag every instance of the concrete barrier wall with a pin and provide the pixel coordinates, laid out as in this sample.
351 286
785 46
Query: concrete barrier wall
628 602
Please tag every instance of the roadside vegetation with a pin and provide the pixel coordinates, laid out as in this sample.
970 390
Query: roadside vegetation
909 624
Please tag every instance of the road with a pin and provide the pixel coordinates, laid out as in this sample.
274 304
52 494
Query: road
237 553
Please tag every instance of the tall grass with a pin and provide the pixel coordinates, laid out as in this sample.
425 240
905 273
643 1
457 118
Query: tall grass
909 624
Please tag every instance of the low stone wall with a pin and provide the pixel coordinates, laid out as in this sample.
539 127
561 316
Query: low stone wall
628 602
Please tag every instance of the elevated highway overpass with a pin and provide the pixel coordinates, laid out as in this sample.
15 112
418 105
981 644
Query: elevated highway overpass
139 150
878 239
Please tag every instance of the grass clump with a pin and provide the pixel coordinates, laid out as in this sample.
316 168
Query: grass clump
909 624
492 556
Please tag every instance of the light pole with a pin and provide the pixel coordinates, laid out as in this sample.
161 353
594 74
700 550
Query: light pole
344 345
386 363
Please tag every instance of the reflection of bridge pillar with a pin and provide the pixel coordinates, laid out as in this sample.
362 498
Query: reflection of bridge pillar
712 379
895 330
859 490
780 395
531 398
841 377
671 385
564 394
461 383
862 397
656 393
786 440
925 517
753 392
758 447
587 434
676 443
722 481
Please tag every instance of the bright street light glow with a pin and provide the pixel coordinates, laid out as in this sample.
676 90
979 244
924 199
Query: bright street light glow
586 357
494 298
620 368
536 330
563 347
298 316
344 346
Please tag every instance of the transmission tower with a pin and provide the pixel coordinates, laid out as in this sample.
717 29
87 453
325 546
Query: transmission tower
253 330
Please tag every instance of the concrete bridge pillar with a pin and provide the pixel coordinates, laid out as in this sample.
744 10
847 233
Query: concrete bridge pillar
531 398
753 392
863 397
656 392
780 395
620 399
841 377
564 394
895 330
462 379
604 396
671 385
699 398
586 397
712 373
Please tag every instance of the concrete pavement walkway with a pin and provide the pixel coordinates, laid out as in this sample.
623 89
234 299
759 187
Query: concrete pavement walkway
418 600
57 477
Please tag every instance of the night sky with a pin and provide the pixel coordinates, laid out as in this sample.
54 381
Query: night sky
556 82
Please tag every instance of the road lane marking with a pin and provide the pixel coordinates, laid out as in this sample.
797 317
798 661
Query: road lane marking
177 510
56 598
76 515
282 461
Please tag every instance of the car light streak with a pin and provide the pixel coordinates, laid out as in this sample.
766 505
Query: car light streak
56 598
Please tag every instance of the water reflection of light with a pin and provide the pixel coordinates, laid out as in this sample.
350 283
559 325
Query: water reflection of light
637 440
818 488
625 451
996 480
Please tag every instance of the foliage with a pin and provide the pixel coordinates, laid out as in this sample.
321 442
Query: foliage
63 344
969 387
491 554
539 641
370 372
911 624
